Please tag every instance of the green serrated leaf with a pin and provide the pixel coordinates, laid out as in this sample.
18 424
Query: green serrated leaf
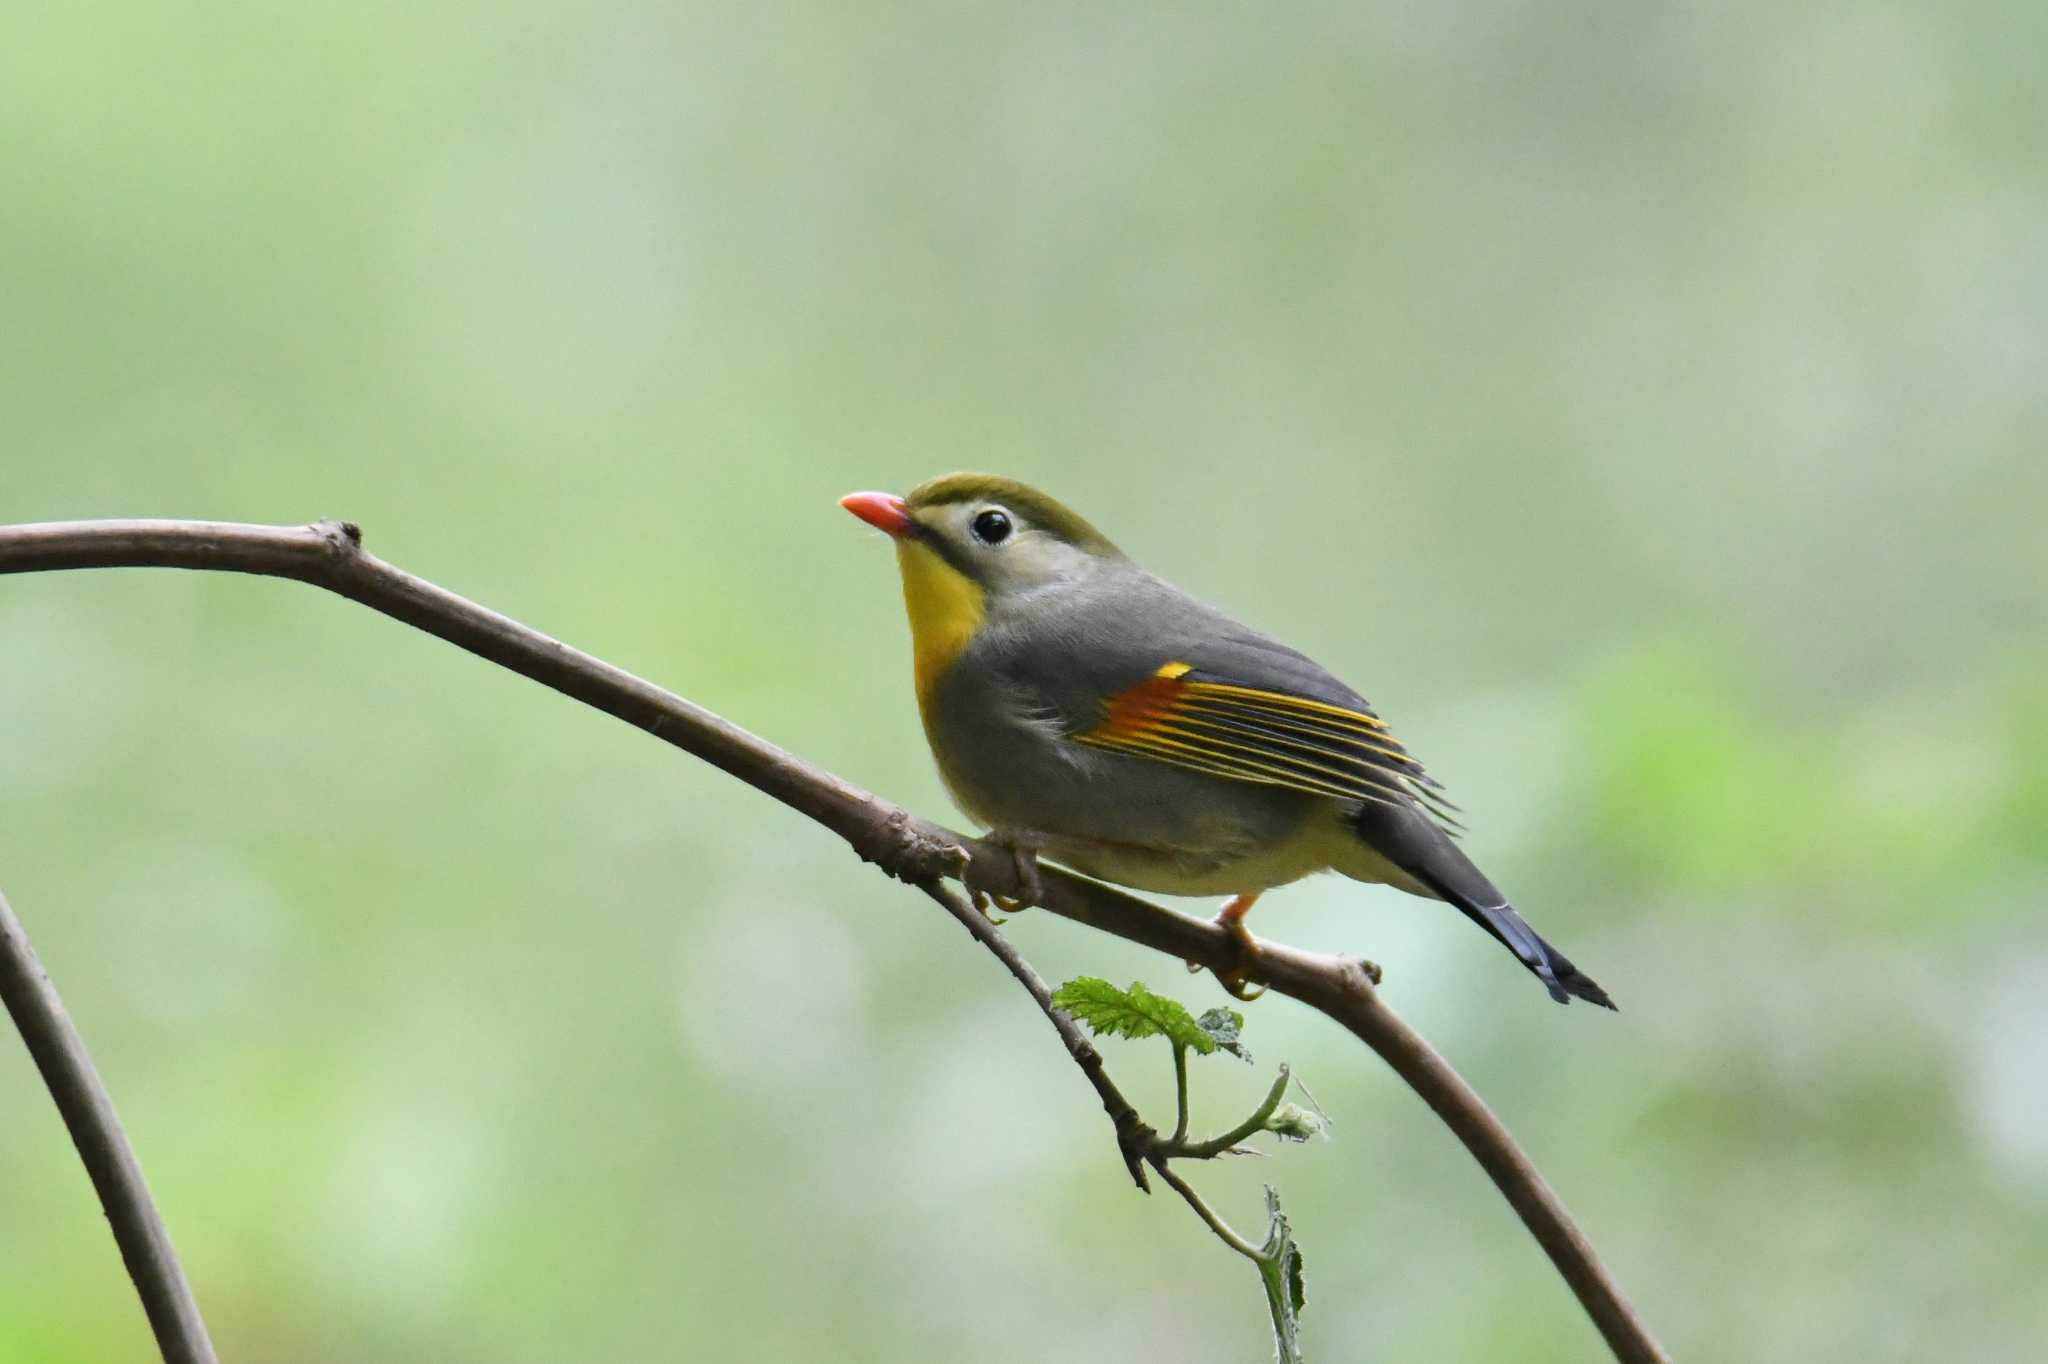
1292 1122
1135 1012
1286 1290
1224 1027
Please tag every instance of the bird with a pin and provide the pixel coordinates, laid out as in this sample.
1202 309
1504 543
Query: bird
1080 707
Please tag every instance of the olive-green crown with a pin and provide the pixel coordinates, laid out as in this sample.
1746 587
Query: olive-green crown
1033 505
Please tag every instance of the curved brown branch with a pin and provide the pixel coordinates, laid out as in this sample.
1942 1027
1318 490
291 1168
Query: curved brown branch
67 1069
330 555
1133 1137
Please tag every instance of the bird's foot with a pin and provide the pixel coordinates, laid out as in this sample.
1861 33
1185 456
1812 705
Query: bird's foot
1023 847
1233 977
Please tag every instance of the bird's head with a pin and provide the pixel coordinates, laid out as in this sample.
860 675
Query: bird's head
970 544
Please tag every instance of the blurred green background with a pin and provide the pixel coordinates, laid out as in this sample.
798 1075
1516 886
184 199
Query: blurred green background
1643 407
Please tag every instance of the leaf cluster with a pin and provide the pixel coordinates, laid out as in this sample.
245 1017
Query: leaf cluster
1137 1012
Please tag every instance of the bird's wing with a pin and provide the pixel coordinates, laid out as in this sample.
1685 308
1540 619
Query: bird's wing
1301 730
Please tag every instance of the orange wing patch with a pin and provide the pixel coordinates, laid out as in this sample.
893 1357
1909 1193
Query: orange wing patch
1139 712
1271 738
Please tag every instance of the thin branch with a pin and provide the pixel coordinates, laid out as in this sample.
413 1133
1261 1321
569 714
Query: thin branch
67 1069
330 555
1180 1096
1133 1137
1139 1144
1216 1146
1223 1230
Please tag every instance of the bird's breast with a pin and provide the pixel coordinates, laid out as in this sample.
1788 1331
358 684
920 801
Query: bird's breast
945 607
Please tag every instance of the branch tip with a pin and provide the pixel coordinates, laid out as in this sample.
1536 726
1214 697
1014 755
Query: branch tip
1361 977
1135 1139
342 537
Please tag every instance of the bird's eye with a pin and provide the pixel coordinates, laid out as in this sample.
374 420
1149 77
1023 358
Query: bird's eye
991 527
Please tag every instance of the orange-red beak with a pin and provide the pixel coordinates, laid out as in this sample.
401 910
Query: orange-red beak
884 511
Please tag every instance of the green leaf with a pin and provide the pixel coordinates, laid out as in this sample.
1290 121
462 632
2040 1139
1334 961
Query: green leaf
1223 1027
1136 1012
1286 1291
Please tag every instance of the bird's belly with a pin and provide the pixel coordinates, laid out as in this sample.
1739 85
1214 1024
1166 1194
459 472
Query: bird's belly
1163 870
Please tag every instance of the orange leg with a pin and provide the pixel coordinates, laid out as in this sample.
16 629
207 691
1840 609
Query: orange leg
1231 919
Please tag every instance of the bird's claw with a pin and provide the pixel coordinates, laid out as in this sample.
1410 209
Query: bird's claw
1233 978
1023 849
981 900
1235 984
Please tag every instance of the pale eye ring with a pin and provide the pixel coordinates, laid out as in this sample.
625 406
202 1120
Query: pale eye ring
991 527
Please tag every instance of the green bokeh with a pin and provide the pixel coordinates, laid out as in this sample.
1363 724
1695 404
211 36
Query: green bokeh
1642 406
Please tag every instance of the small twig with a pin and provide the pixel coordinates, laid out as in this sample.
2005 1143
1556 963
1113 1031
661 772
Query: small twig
67 1069
1202 1210
1133 1137
1216 1146
1180 1096
329 555
1138 1143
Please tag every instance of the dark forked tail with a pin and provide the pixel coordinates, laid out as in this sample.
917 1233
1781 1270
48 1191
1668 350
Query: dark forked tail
1409 840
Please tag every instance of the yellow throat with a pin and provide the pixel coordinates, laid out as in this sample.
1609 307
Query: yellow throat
945 610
